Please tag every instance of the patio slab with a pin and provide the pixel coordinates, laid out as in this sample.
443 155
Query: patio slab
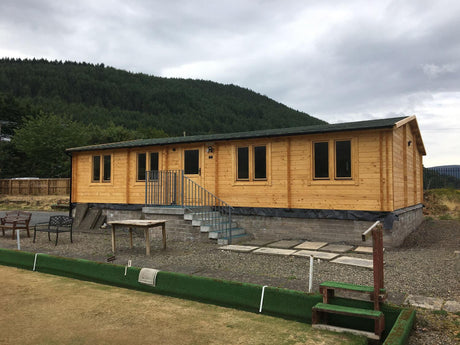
308 245
316 255
364 250
452 306
285 244
431 303
257 243
348 260
274 251
337 248
238 248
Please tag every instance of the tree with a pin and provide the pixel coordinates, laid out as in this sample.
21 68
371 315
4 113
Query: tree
43 140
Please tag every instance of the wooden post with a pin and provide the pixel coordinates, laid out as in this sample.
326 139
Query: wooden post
377 239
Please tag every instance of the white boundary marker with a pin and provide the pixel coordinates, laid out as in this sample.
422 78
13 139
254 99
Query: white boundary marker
310 278
19 239
126 267
35 261
262 298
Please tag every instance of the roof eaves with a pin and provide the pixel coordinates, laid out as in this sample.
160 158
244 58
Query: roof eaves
328 128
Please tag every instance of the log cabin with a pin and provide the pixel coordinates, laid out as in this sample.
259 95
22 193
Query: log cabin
323 182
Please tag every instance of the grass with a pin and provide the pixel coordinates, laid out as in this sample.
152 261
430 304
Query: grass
81 312
30 203
442 204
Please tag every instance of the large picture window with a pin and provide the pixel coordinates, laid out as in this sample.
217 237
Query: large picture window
191 162
147 161
343 159
251 163
321 157
102 168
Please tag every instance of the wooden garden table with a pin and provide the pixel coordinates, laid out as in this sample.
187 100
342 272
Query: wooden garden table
144 224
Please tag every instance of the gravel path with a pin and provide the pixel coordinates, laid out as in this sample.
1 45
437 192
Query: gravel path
424 265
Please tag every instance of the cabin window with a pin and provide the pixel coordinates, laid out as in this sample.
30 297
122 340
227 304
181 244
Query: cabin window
141 166
154 165
102 168
107 168
251 163
321 160
260 162
343 159
96 168
191 162
243 163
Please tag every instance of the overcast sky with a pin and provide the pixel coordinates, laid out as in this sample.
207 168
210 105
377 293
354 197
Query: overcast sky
336 60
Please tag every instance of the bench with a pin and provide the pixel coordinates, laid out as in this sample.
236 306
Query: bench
56 225
15 220
320 310
327 289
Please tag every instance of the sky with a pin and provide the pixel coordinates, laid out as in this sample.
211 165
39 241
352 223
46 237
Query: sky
338 61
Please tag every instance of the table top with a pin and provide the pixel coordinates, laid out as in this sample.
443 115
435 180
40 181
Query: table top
137 222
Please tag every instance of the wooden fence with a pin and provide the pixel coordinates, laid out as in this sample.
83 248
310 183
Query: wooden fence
43 186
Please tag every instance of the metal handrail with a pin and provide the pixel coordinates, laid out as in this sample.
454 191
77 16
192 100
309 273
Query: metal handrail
173 188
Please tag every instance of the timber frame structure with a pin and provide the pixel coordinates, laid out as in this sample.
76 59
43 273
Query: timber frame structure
362 170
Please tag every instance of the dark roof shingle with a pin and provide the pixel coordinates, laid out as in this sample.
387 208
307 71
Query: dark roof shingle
265 133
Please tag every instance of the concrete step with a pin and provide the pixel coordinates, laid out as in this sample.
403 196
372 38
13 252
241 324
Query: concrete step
220 234
217 226
209 221
201 215
235 239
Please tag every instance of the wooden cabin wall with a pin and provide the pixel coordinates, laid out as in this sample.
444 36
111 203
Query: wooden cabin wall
291 160
407 169
386 173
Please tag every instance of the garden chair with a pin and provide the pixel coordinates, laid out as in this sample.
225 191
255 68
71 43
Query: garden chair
55 225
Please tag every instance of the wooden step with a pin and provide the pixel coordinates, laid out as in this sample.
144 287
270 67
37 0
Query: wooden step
366 334
327 289
320 309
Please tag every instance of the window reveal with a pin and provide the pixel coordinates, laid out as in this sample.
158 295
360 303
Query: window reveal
96 168
343 159
260 162
107 168
243 163
321 156
141 166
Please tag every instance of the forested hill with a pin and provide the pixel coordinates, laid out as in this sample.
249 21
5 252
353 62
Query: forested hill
98 95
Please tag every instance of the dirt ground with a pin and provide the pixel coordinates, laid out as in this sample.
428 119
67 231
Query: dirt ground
37 308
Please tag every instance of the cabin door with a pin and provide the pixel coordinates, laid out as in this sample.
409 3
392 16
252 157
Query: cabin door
193 163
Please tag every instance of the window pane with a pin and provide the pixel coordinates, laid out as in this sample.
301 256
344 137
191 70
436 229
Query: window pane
107 167
322 160
343 158
154 165
260 162
191 162
141 167
96 168
243 163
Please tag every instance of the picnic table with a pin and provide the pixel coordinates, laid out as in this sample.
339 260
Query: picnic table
15 220
144 224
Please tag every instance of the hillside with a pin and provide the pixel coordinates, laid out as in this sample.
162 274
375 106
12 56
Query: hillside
96 94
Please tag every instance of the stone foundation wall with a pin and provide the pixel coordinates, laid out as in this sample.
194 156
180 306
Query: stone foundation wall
329 230
176 227
277 228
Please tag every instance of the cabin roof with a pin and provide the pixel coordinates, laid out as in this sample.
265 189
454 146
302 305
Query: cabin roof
265 133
